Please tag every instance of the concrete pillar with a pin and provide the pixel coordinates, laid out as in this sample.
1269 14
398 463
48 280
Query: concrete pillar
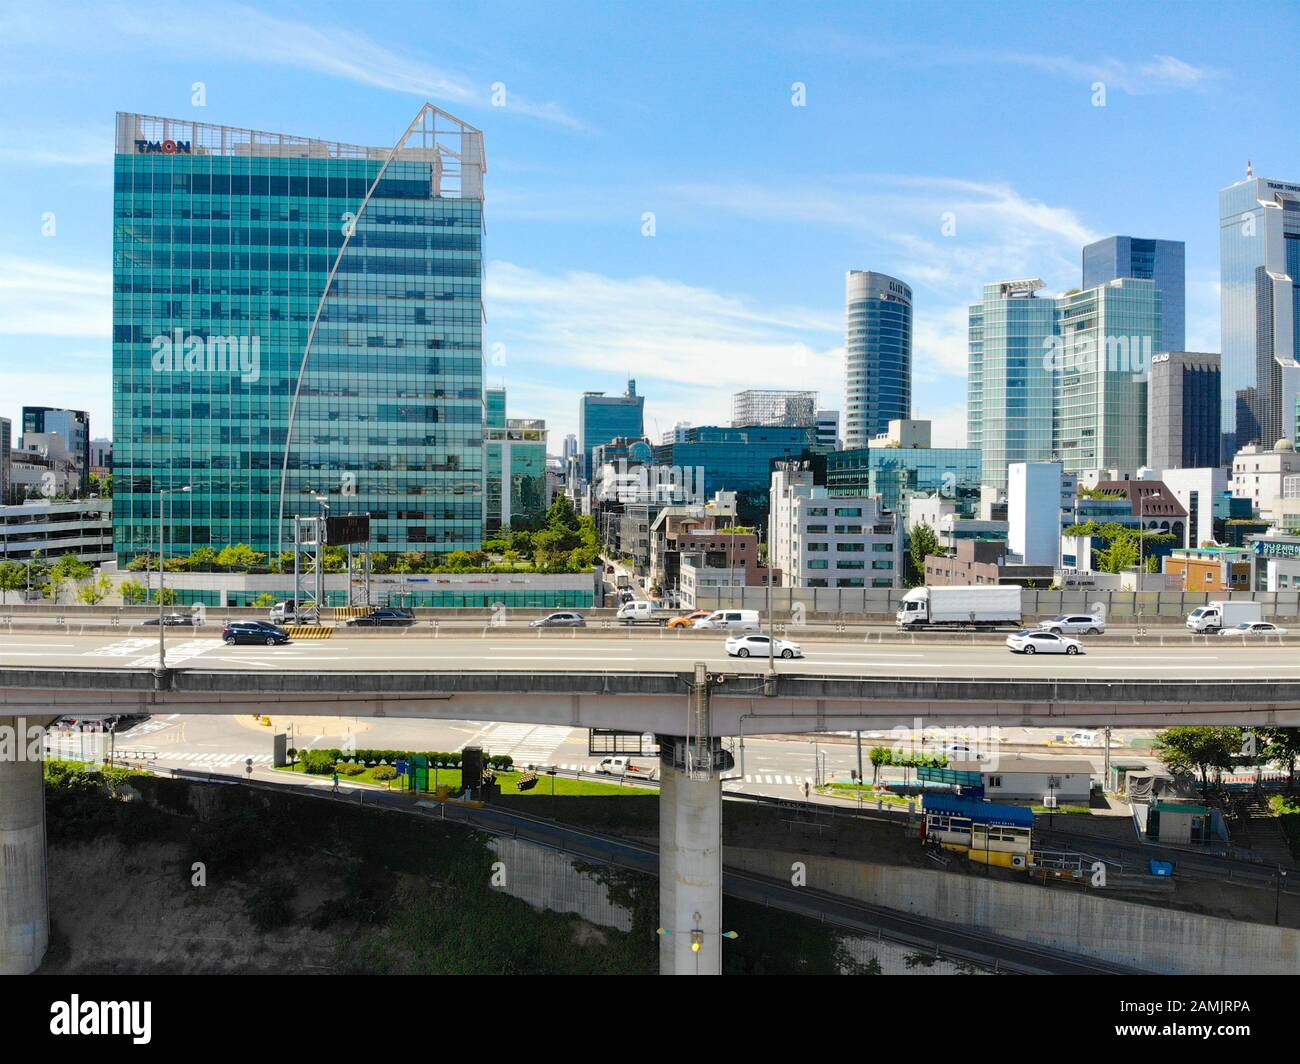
24 898
690 866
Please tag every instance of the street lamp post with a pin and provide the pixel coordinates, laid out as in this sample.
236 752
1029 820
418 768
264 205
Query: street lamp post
162 649
1277 896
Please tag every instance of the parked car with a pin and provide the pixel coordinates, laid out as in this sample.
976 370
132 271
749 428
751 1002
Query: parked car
962 752
177 620
563 619
254 632
1254 628
1040 642
1074 624
759 646
386 617
687 620
730 621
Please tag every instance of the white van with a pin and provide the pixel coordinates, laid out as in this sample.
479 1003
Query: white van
634 611
731 621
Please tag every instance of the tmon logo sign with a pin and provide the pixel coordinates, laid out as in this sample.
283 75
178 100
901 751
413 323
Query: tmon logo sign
163 147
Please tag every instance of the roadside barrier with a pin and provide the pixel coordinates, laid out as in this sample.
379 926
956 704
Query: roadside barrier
309 631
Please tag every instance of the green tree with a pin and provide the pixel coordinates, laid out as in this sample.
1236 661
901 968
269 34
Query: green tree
1199 749
264 600
93 592
924 544
240 557
102 484
203 560
1283 745
13 577
168 596
132 592
1120 555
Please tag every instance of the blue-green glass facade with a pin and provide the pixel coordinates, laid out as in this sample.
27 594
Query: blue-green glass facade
515 456
739 458
223 244
894 473
604 418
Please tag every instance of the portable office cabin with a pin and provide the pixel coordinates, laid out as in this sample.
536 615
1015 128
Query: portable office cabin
986 832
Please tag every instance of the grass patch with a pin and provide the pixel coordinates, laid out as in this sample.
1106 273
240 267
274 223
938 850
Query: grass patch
451 777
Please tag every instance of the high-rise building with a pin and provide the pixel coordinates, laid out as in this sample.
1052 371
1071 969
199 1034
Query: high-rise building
828 430
1161 261
514 463
759 406
6 444
878 354
1183 411
1108 339
1011 381
72 425
297 316
602 418
1259 301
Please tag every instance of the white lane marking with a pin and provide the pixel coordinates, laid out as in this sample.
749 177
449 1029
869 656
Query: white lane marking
46 646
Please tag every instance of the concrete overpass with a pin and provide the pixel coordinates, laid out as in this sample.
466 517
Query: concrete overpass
644 686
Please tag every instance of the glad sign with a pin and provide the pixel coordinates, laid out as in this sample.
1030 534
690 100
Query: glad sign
163 147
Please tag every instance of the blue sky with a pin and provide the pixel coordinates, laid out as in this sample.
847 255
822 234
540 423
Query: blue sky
682 111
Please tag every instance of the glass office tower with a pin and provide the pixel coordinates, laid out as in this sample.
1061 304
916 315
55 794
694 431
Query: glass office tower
603 418
878 354
1109 336
1161 261
291 316
1259 301
515 464
1010 403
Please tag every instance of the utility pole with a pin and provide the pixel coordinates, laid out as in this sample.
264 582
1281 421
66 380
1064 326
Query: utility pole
162 646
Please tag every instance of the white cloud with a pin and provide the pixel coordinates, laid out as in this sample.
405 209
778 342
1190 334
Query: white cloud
45 299
1139 76
240 32
693 347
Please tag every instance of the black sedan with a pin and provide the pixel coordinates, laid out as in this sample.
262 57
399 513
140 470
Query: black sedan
254 632
387 617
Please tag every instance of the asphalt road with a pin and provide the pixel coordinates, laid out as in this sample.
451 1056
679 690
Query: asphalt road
648 651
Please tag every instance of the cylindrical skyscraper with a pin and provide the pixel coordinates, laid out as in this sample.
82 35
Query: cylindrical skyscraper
878 354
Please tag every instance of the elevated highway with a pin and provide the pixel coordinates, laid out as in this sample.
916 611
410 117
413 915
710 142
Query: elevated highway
686 690
639 682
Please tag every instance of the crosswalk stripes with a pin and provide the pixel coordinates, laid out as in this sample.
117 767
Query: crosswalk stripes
528 744
775 779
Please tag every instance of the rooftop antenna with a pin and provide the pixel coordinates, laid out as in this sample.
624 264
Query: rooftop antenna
1250 170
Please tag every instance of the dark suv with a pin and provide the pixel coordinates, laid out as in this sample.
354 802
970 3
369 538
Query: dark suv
254 632
387 617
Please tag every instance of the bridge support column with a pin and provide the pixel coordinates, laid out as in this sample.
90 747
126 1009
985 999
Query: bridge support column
690 844
24 898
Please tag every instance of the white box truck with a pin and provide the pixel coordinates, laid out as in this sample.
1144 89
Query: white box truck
1214 616
953 606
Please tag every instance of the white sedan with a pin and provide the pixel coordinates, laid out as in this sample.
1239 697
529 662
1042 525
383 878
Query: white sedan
1255 628
1040 642
757 646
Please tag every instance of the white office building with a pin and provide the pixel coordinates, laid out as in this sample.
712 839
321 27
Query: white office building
822 540
1034 502
1257 475
1197 490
